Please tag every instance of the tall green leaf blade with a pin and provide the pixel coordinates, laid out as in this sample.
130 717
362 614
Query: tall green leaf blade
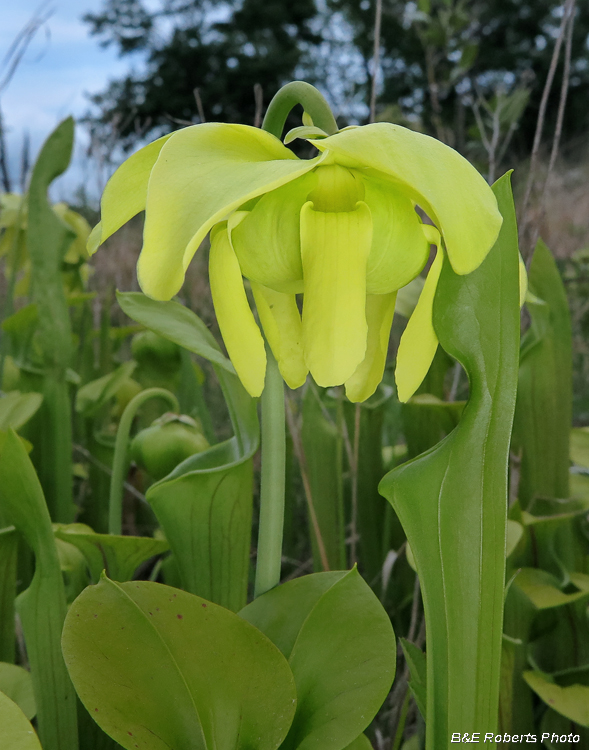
206 516
48 239
8 558
16 732
160 668
322 445
42 607
452 500
543 412
371 510
417 663
205 505
516 711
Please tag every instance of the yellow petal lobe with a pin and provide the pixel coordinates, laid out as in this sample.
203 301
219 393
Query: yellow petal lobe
399 248
419 341
334 250
439 179
204 173
237 324
281 321
380 309
267 239
125 193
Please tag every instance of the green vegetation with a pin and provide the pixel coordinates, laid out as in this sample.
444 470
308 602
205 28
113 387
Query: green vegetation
339 500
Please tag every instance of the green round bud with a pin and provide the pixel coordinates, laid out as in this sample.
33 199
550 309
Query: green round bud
171 439
154 351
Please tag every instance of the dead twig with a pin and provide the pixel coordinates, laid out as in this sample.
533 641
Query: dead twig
564 90
527 247
199 107
375 58
259 102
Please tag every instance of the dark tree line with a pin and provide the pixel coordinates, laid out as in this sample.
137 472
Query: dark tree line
440 59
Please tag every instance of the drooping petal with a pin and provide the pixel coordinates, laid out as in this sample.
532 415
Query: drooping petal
282 325
125 193
380 309
204 172
334 249
267 239
239 329
399 248
419 341
435 176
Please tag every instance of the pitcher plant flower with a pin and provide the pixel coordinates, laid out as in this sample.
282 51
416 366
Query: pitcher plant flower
340 229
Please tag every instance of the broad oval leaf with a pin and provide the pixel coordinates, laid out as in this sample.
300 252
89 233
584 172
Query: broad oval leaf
341 650
16 732
159 668
542 588
16 683
572 701
17 408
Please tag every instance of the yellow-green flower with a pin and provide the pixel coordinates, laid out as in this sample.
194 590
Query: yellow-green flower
339 229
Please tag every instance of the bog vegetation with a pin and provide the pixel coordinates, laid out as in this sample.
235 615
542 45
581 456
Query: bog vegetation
194 556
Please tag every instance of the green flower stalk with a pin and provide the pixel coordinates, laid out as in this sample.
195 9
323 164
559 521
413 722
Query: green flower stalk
340 228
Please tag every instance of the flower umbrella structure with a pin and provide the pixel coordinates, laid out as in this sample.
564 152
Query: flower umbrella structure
340 229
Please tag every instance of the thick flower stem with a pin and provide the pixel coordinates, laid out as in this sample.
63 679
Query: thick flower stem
119 465
298 92
272 480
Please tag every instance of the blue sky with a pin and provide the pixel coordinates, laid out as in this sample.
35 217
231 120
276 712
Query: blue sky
61 66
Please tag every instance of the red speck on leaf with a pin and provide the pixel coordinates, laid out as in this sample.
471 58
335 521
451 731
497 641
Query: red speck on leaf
204 605
179 617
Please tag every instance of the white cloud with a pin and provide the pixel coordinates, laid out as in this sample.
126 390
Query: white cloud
54 78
